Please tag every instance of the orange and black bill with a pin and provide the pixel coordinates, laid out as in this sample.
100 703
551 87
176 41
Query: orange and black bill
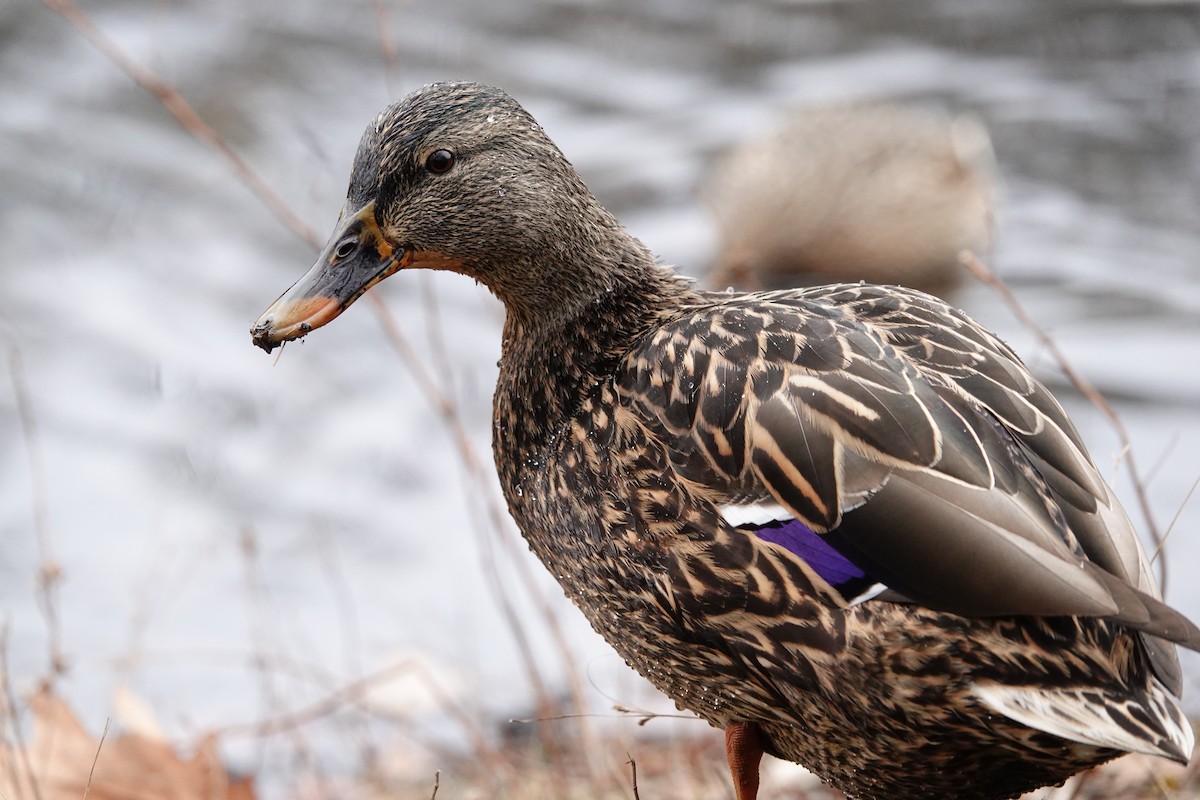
356 257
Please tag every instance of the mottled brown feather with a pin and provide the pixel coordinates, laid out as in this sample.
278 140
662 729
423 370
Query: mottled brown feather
631 408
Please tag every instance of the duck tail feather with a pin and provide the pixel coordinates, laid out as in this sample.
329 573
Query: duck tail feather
1148 721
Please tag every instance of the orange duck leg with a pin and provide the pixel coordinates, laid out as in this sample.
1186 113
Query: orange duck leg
744 750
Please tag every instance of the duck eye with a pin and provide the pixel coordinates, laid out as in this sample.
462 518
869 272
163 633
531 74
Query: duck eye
439 162
346 247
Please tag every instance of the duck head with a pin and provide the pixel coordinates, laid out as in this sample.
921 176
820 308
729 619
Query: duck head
456 176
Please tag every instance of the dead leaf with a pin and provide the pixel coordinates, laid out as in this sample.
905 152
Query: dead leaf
60 758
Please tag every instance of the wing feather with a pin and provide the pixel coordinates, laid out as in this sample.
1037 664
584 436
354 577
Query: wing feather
915 439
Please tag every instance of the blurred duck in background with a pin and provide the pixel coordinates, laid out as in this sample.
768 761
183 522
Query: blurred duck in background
877 192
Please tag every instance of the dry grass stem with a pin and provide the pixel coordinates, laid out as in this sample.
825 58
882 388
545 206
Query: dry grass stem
355 692
642 716
331 704
479 479
1078 784
10 700
259 629
1163 457
387 46
191 121
495 523
266 647
100 746
330 562
1178 513
49 572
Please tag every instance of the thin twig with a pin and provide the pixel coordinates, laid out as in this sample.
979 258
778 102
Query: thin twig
330 560
1081 780
983 273
191 121
187 116
633 771
466 450
1178 513
1165 789
433 326
622 712
478 487
497 520
353 693
288 665
644 716
437 781
194 124
330 704
479 478
262 633
387 46
10 698
49 572
88 787
1163 457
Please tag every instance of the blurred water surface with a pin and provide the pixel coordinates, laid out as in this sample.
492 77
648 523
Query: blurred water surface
238 533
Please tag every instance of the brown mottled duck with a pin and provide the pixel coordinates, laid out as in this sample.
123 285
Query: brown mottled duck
844 524
880 192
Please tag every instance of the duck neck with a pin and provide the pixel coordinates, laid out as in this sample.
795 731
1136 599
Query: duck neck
556 349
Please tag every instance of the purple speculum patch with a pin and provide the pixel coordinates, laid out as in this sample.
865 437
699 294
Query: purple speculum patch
795 536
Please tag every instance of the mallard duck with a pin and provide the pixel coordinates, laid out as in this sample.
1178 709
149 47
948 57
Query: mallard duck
880 192
844 524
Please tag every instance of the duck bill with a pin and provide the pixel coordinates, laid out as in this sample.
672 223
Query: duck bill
356 257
